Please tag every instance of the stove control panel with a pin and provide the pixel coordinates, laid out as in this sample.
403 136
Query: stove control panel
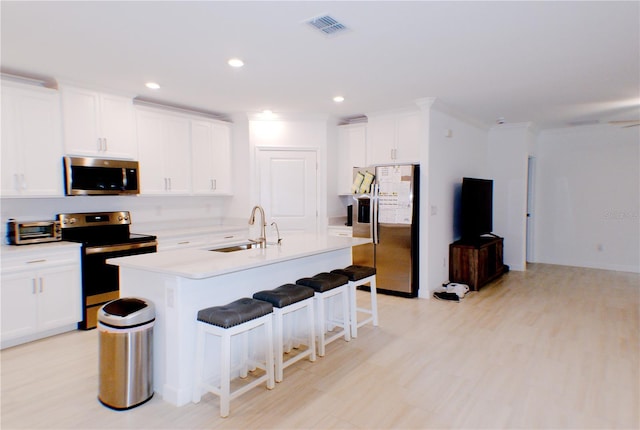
94 219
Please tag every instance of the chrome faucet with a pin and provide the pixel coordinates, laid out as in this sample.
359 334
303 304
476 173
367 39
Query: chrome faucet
273 224
262 240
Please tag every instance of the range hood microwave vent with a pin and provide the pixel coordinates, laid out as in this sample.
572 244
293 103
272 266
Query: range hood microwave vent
327 25
88 176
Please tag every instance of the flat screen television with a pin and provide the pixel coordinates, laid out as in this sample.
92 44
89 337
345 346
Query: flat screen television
476 208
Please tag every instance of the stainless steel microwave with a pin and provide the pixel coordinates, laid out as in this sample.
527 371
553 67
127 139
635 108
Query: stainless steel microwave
85 176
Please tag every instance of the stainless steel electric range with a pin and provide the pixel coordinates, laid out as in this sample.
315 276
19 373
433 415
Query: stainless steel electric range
103 235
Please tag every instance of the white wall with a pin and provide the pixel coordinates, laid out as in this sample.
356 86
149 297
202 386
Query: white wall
447 161
336 206
587 197
508 155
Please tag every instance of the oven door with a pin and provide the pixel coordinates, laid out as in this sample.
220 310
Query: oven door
100 281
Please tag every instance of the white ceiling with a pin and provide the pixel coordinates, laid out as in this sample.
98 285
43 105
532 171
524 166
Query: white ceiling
550 63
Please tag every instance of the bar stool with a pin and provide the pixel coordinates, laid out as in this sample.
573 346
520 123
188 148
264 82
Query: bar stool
328 285
286 299
360 275
235 318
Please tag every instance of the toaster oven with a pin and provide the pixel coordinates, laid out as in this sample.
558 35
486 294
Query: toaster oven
28 232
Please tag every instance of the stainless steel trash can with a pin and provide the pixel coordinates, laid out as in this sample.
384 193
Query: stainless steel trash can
125 331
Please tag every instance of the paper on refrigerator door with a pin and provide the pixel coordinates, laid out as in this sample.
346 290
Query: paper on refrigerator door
394 203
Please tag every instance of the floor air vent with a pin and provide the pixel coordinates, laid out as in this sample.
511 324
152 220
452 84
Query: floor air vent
327 25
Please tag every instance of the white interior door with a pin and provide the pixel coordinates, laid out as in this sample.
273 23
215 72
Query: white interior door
530 257
288 188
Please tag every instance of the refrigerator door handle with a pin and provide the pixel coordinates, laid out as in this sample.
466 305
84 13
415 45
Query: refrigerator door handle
374 220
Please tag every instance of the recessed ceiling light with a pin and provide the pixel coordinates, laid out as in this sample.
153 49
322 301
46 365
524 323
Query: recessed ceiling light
235 62
338 99
152 85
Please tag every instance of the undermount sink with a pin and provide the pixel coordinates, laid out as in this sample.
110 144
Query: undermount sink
238 247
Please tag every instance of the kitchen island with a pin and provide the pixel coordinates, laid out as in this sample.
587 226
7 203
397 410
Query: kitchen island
181 282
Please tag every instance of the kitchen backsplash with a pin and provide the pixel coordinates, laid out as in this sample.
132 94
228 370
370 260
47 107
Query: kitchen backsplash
144 209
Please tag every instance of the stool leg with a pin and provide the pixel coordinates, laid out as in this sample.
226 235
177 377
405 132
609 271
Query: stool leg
345 314
279 348
374 301
199 365
244 354
268 328
225 375
354 309
320 324
311 322
288 334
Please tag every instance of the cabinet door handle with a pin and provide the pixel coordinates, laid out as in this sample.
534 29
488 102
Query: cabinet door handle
42 260
166 188
41 284
214 184
33 282
169 184
105 144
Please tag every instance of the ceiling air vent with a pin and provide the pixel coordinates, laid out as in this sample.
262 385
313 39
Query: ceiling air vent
327 25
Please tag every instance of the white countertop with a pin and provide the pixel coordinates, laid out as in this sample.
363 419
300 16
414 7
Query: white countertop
202 263
10 250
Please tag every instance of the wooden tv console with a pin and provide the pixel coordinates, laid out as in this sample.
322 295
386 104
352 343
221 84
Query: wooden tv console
476 262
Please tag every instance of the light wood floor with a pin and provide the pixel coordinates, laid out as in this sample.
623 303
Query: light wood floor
552 347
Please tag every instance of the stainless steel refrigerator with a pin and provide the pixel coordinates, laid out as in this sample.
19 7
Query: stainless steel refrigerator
386 203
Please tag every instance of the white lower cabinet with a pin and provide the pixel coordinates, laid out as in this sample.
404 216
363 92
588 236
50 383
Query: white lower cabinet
201 240
41 295
181 242
343 231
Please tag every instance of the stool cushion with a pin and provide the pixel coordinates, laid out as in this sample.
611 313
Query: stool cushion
324 281
355 273
235 313
285 295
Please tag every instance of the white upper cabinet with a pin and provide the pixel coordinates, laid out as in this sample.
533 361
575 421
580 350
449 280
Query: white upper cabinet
352 151
394 138
31 142
211 157
97 124
164 149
